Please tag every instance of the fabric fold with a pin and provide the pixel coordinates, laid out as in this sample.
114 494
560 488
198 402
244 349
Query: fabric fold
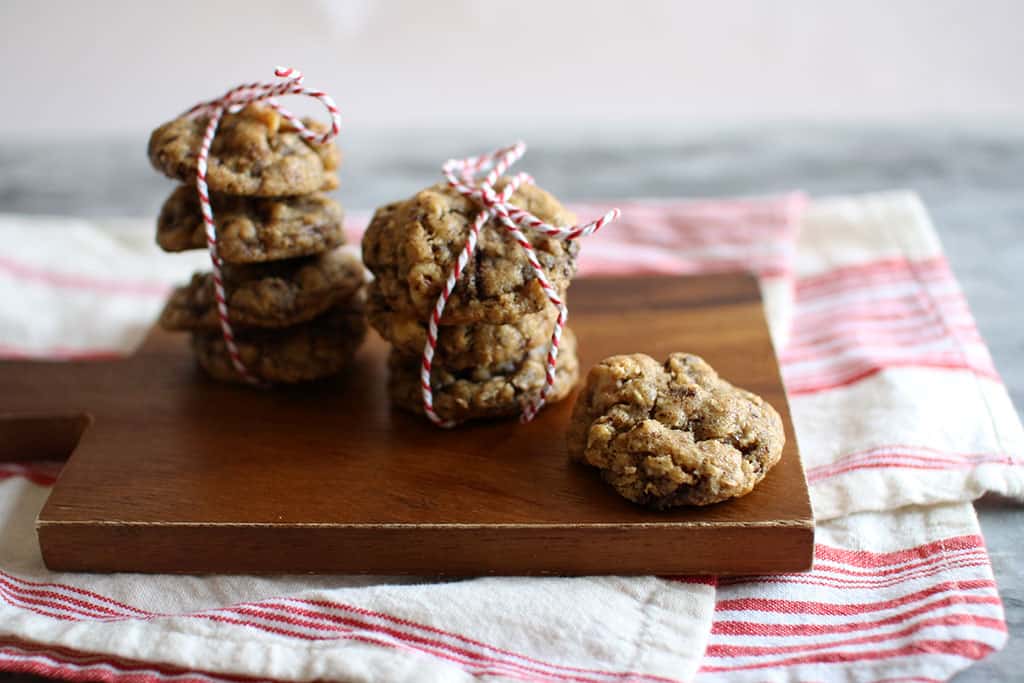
883 337
907 594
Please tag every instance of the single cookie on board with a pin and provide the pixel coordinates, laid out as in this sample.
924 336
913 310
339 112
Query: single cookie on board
483 393
461 346
319 348
673 433
411 247
252 230
278 294
255 153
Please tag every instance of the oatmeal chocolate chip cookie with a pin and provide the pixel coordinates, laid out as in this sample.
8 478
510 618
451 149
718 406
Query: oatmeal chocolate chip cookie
255 153
483 393
312 350
411 246
461 346
278 294
673 433
251 230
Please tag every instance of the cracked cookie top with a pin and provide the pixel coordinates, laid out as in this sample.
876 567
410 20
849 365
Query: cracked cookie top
673 433
251 230
255 152
411 246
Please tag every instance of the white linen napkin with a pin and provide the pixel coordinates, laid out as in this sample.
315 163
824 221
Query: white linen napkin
899 413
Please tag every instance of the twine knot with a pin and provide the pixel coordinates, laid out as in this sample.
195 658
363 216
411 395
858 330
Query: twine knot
232 102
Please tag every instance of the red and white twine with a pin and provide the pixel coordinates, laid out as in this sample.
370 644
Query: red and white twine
232 102
461 175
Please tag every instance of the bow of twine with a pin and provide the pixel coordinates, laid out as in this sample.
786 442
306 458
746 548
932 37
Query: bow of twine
462 175
232 102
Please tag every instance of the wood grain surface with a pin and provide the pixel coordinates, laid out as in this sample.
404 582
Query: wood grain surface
176 473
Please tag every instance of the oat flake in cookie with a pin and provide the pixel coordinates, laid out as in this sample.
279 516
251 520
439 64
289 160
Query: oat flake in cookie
673 433
250 229
411 247
255 153
277 294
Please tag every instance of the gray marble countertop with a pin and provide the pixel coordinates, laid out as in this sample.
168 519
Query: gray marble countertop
971 179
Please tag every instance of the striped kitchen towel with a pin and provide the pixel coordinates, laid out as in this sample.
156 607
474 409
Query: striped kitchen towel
875 339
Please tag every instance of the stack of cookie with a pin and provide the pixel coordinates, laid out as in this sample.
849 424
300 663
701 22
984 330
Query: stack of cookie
492 345
294 296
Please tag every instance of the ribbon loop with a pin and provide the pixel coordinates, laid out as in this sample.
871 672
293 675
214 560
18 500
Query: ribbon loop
461 175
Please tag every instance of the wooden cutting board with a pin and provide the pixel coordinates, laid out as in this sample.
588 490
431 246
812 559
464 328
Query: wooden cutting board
173 472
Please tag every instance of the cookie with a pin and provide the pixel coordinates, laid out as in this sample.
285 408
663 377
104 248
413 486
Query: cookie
278 294
312 350
461 346
673 433
483 393
411 246
255 153
252 230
